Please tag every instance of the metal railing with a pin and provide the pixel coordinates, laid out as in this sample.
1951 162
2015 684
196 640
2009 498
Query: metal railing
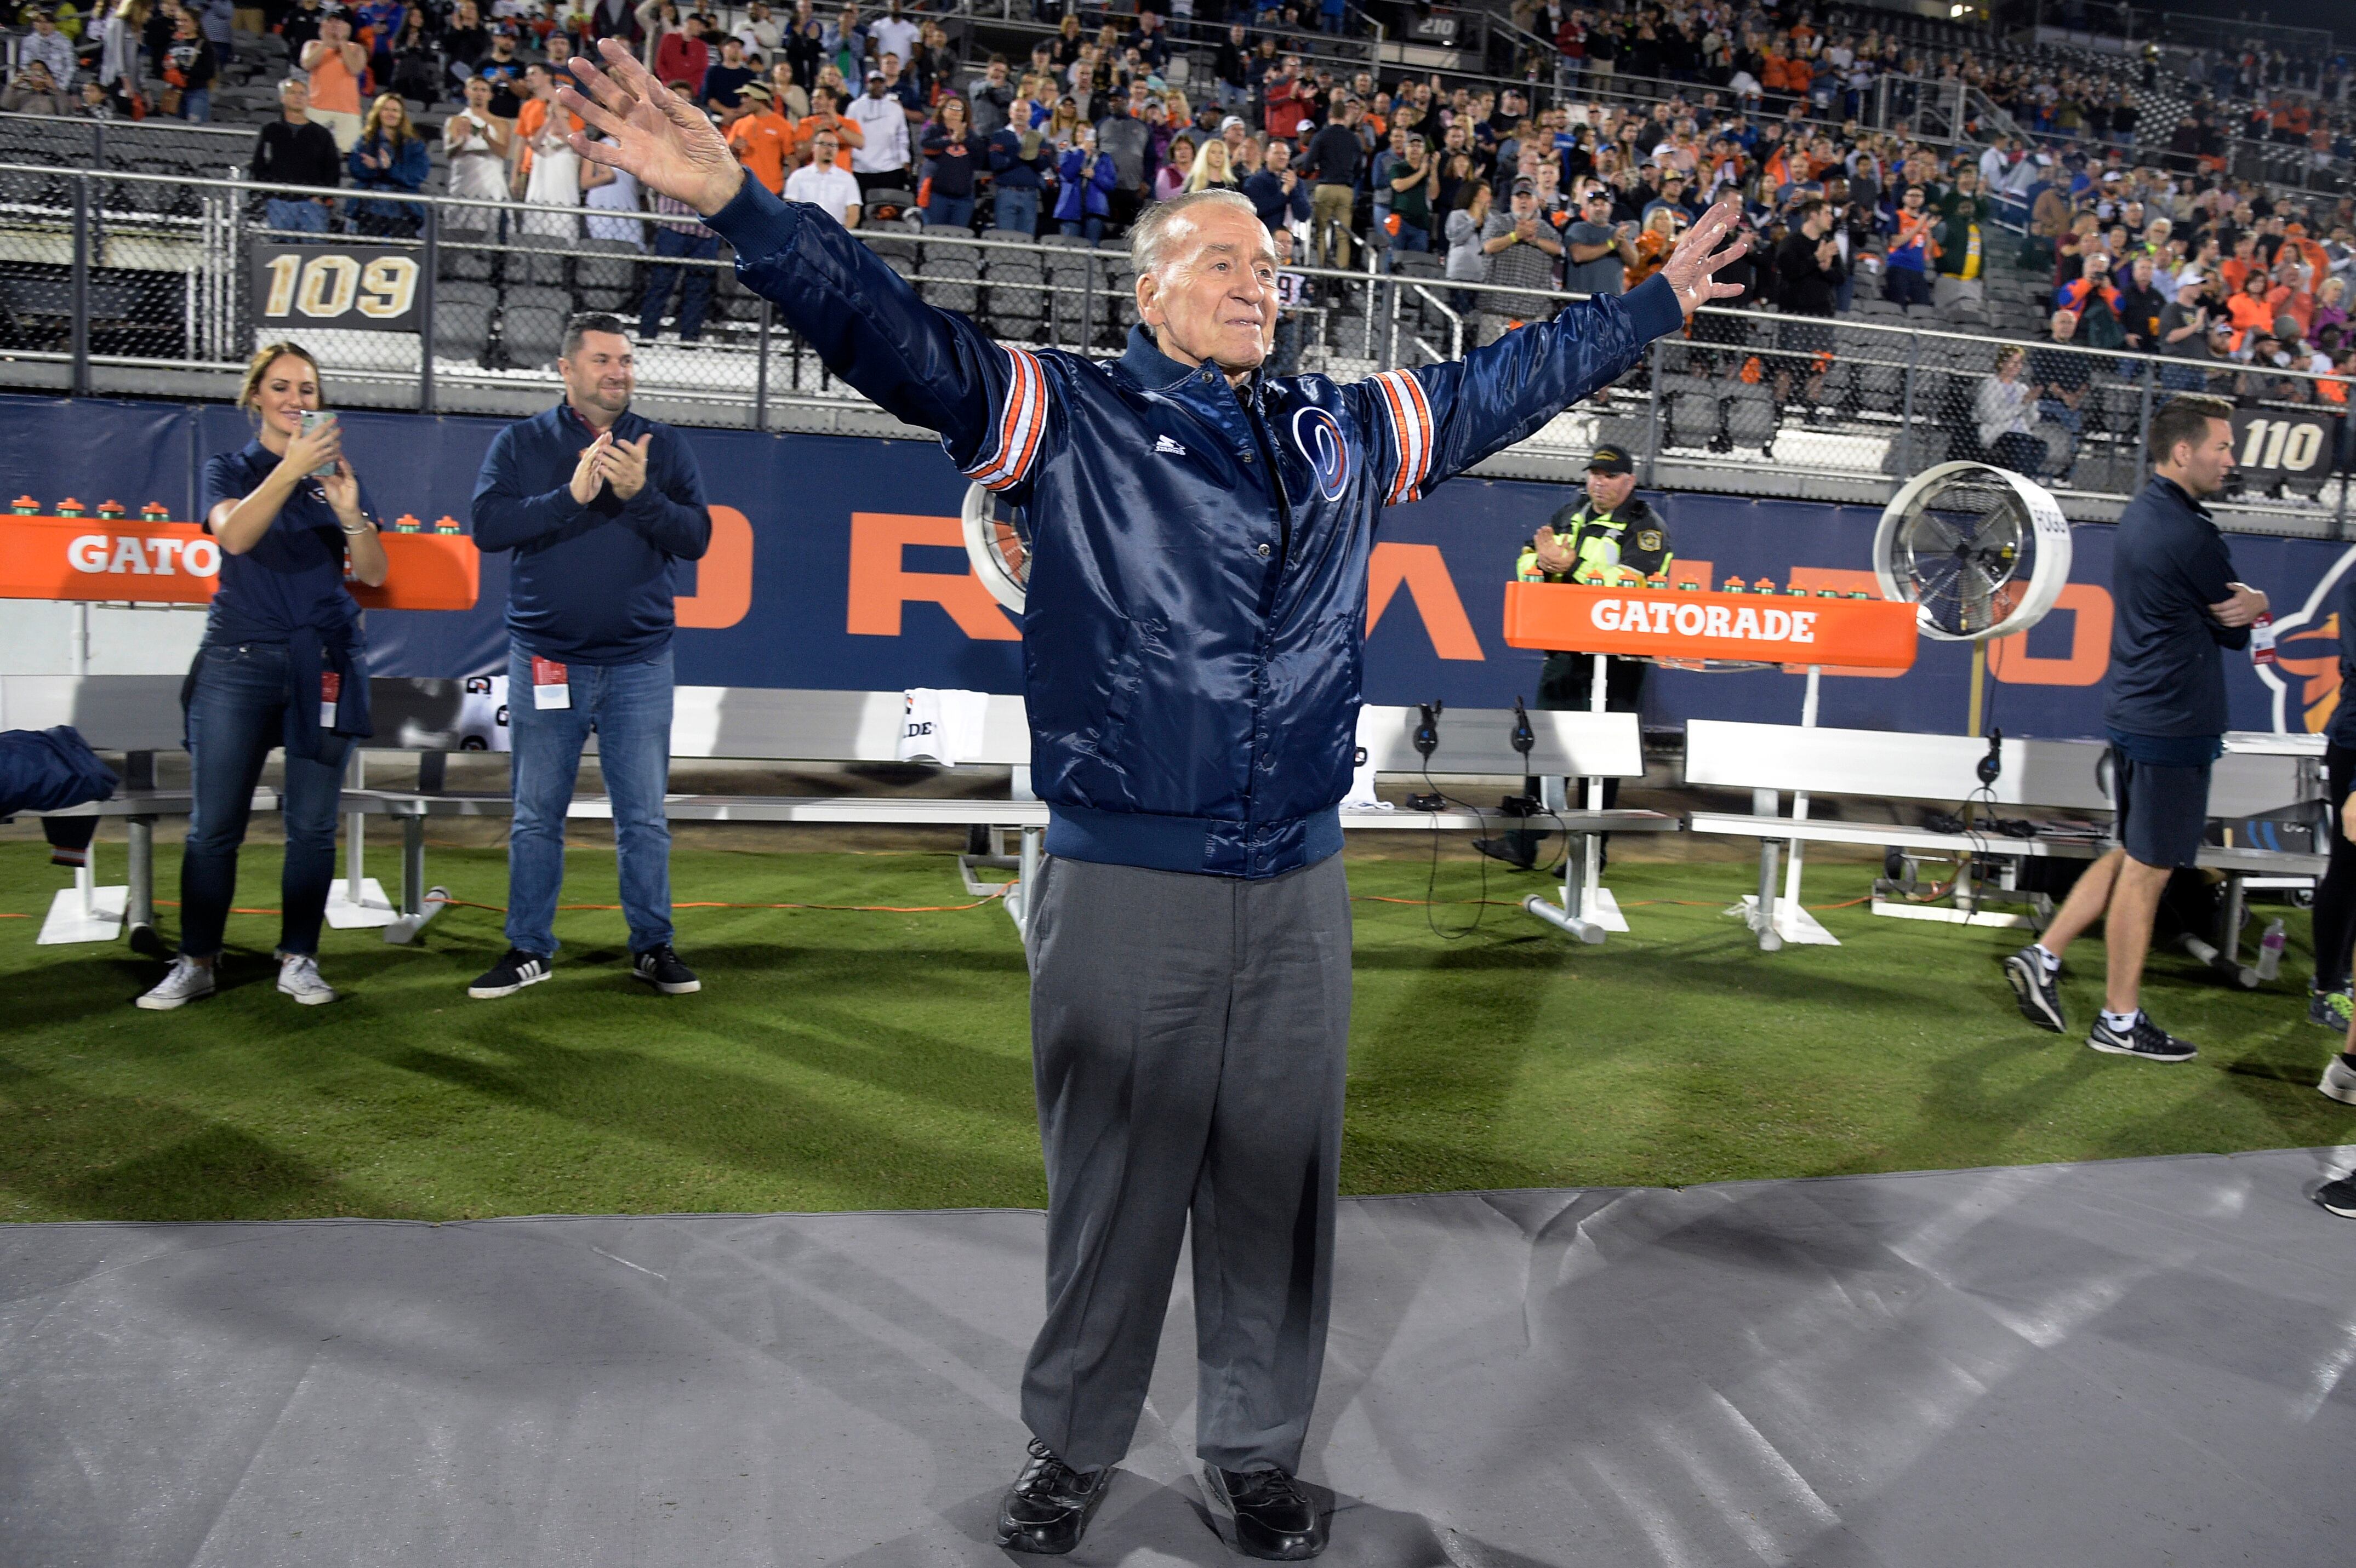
130 285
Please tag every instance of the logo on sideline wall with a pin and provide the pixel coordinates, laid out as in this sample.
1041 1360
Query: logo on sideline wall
1663 618
1319 436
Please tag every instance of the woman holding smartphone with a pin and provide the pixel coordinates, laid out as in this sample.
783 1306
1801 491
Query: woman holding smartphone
282 664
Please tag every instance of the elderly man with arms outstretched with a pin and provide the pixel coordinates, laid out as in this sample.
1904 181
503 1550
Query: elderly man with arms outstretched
1192 654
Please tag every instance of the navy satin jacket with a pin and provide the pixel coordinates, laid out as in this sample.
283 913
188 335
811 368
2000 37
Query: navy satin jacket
1197 599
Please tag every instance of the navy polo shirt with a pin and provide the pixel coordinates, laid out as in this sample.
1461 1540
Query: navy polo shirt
293 575
2168 669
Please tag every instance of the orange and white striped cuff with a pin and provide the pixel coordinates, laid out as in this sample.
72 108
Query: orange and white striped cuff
1019 426
1411 433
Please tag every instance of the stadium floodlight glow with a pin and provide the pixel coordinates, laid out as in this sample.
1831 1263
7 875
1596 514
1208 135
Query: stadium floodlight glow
1981 551
998 542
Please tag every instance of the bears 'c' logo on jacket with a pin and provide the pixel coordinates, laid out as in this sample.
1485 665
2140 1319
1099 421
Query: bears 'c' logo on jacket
1319 436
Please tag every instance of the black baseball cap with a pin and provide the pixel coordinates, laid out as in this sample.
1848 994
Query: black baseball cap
1609 459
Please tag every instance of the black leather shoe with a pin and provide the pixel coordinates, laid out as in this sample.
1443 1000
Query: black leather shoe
1272 1518
1048 1508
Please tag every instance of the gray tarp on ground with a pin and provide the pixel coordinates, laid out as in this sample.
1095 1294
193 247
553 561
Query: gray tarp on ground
2132 1362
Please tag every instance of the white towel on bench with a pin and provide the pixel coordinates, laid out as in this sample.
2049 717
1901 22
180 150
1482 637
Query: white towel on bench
941 724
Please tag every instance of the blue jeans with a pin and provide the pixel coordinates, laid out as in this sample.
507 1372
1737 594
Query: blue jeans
237 713
1410 237
1904 285
196 105
296 212
1092 226
1017 211
629 708
694 296
949 213
2061 413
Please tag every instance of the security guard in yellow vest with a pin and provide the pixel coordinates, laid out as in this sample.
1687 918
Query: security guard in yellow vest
1609 538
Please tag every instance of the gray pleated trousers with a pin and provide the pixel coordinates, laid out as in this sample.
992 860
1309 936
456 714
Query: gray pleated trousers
1189 1037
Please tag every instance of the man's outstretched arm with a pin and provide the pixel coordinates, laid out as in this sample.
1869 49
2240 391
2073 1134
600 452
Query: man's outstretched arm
1438 420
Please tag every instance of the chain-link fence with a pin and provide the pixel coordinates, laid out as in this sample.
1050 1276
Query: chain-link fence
135 283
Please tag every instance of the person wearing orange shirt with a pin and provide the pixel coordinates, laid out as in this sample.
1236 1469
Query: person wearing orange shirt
2290 295
531 128
762 139
336 65
826 104
2250 308
2236 269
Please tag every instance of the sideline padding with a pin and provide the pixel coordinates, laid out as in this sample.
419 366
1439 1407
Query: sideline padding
2138 1361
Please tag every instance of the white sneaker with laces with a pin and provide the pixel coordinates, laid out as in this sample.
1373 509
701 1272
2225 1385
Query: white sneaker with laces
183 983
298 977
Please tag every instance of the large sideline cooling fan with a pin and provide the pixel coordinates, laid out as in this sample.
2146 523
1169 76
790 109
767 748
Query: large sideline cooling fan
998 541
1981 551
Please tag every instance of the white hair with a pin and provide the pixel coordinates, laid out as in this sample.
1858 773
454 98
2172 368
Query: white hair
1150 237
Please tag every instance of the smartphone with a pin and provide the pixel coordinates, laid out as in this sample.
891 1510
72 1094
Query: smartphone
314 420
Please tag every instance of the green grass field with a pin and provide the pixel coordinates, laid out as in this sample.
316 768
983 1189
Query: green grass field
854 1061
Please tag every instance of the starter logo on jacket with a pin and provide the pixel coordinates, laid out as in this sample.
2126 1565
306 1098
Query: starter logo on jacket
1319 436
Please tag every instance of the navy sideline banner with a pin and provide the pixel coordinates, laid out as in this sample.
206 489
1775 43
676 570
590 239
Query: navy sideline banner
836 562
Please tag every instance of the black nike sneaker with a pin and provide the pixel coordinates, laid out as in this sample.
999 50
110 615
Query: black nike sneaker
2034 988
2339 1195
2143 1038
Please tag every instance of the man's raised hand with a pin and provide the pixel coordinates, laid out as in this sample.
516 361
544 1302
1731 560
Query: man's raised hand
1692 266
671 146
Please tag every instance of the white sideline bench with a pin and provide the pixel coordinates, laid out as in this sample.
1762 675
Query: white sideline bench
140 716
2258 775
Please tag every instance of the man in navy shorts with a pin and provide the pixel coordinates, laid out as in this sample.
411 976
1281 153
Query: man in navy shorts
2178 609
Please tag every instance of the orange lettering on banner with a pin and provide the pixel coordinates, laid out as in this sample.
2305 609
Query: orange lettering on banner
1843 580
880 585
2090 643
724 577
2317 672
1425 572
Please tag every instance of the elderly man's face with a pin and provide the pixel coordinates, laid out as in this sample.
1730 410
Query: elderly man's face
1212 300
2065 326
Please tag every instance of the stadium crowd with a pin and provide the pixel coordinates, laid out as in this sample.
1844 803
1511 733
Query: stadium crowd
1632 122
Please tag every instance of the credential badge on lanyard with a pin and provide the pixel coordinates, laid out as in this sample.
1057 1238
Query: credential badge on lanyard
331 687
549 685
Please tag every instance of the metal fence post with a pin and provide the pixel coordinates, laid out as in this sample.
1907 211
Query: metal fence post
2143 422
81 287
432 262
1652 409
1089 305
1906 412
2347 483
761 373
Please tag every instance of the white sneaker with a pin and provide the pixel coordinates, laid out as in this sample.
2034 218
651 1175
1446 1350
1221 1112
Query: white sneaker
298 977
183 983
2339 1080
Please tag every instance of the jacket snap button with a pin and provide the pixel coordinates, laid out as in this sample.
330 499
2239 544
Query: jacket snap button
1247 457
1263 549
